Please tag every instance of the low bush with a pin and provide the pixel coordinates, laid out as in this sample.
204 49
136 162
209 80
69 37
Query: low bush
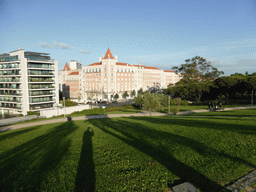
184 102
33 113
174 110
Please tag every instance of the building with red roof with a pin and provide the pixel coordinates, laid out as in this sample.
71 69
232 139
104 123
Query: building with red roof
103 79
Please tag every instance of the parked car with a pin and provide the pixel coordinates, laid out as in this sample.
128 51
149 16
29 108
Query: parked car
114 101
104 102
89 102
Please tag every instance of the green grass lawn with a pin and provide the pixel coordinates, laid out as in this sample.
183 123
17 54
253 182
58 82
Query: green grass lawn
238 113
127 154
198 107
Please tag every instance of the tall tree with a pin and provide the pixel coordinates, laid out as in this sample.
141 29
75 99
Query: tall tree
125 94
133 93
197 77
150 102
139 100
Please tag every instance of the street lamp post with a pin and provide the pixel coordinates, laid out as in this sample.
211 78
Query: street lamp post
252 98
168 103
64 107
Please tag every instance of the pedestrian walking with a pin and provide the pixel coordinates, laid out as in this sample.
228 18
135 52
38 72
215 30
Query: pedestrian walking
220 104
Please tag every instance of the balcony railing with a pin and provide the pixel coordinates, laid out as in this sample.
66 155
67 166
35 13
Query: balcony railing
41 87
9 80
43 66
40 100
5 93
34 73
11 106
36 58
10 87
40 80
10 99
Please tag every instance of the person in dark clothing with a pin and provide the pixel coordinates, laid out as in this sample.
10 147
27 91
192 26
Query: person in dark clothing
220 104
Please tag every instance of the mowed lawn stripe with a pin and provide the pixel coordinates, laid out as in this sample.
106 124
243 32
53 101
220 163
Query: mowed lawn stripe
127 154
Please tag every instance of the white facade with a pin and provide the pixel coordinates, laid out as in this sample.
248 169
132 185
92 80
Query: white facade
75 65
104 79
28 82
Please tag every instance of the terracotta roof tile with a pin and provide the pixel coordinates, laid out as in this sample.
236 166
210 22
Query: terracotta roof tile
108 53
66 68
95 64
121 64
74 73
151 68
169 71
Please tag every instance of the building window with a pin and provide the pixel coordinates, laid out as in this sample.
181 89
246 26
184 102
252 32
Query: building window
105 69
99 70
105 74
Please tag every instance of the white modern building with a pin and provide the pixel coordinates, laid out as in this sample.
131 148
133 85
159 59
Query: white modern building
28 82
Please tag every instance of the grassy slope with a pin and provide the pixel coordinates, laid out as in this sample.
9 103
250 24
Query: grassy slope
143 154
238 113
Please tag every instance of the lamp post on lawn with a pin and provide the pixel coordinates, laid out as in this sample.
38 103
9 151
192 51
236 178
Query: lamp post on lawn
64 107
168 103
252 98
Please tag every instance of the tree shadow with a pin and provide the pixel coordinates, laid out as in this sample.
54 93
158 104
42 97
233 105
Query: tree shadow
183 171
85 178
27 166
10 134
195 122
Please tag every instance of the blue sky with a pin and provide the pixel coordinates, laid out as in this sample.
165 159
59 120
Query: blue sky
160 33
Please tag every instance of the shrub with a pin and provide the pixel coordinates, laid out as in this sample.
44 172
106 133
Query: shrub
174 110
33 113
184 102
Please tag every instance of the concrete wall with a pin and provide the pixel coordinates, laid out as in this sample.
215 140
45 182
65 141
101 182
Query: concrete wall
61 111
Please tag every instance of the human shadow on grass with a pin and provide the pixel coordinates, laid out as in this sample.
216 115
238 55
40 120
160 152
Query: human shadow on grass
175 166
27 166
13 133
203 123
85 178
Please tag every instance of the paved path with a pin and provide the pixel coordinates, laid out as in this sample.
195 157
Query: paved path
142 114
236 186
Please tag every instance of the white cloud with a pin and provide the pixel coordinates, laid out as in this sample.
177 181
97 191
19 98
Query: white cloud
44 44
84 52
61 45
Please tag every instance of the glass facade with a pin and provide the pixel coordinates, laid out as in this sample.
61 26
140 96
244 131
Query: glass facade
38 72
40 79
10 99
36 93
10 92
11 105
10 72
10 86
40 106
9 65
8 58
38 58
9 79
40 99
40 65
39 86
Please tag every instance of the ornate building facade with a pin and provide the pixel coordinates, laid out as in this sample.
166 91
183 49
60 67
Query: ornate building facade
104 79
